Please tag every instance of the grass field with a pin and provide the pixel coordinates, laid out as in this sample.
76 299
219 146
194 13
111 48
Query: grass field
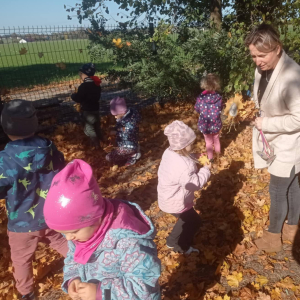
38 64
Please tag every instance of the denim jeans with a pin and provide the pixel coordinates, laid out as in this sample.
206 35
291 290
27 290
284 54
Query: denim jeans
285 201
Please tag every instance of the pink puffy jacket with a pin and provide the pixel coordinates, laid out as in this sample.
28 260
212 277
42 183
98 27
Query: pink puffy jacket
178 179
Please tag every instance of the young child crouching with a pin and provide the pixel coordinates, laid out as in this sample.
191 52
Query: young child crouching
127 133
112 254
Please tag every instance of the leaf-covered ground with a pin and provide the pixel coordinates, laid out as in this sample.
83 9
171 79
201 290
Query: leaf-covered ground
234 207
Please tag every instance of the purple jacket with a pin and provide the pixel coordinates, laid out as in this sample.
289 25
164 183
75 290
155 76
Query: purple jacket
209 106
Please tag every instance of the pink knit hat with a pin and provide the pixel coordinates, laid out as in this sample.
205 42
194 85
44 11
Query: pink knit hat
179 135
118 106
74 200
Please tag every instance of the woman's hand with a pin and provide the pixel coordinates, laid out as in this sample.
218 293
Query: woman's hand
258 123
87 291
73 289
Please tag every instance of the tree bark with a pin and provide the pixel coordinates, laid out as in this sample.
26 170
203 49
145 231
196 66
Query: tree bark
216 12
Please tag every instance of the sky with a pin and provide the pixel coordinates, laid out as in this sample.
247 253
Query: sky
19 13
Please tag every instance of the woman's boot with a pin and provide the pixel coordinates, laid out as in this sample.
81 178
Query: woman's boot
269 242
289 232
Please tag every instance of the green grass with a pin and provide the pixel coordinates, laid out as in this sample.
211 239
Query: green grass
29 69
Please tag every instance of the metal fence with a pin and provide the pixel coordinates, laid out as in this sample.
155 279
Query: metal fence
41 64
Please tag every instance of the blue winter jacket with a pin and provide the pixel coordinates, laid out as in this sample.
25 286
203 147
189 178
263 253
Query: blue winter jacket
125 265
27 168
128 130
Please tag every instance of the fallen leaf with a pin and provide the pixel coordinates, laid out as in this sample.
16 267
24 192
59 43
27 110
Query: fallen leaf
23 51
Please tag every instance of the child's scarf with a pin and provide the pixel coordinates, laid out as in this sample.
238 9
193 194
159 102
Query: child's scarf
96 80
84 250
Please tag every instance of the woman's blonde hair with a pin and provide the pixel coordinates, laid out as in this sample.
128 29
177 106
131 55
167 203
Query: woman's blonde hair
264 37
211 82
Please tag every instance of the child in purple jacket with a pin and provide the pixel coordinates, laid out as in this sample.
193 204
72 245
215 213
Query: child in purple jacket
209 106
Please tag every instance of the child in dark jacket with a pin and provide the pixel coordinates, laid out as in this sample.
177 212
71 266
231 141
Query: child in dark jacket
112 255
209 106
127 131
28 165
88 95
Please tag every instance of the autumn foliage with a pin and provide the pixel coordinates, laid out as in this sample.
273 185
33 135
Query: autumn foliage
234 207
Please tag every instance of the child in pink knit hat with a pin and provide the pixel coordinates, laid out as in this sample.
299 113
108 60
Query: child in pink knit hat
127 131
178 179
111 250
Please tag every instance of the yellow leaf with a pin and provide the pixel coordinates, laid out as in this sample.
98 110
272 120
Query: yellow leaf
226 297
203 159
234 279
266 208
261 280
114 168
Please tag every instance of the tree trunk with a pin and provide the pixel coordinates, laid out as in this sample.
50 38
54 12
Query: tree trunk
216 12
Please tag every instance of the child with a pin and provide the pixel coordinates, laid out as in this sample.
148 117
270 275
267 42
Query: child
209 106
127 131
112 254
28 165
88 95
178 179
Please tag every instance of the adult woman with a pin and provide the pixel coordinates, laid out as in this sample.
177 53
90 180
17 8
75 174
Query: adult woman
277 95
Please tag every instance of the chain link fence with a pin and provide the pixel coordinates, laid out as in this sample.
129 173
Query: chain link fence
41 64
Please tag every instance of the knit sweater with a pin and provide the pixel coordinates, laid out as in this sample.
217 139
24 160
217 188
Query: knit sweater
178 179
280 109
88 95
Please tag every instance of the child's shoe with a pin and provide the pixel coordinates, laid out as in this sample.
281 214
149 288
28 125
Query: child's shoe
30 296
133 159
191 249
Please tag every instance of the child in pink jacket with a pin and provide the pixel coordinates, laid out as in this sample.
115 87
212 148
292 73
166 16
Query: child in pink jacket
178 179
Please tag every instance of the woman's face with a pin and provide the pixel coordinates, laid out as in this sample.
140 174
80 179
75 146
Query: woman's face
265 60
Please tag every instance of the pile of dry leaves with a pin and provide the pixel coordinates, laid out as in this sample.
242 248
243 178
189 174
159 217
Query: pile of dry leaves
234 207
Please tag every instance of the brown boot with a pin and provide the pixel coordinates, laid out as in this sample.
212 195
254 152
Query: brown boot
289 232
269 242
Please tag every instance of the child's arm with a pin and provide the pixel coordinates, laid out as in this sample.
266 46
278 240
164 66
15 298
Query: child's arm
79 96
5 181
193 181
137 277
197 105
59 159
71 268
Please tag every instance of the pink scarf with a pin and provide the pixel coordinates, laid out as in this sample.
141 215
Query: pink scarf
84 250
